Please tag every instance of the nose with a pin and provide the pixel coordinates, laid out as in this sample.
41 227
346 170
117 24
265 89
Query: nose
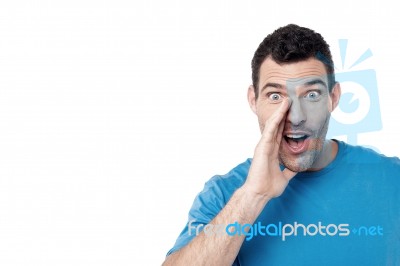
296 115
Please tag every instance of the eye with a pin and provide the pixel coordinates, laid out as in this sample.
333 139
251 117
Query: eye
312 95
274 97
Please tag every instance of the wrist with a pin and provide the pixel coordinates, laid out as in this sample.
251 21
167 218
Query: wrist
253 195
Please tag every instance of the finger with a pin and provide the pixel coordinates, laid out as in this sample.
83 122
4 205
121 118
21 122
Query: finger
272 124
279 134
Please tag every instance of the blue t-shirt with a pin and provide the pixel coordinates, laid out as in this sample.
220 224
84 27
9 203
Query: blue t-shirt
345 214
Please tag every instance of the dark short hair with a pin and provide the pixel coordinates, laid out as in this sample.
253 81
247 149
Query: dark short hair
291 44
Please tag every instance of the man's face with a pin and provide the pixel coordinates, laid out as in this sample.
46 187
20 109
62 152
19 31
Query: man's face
306 85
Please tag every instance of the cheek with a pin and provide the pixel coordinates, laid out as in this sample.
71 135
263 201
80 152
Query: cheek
264 111
317 113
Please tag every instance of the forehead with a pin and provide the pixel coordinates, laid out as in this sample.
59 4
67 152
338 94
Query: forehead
270 71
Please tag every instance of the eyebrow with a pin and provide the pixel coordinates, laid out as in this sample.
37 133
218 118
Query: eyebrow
315 81
281 87
274 85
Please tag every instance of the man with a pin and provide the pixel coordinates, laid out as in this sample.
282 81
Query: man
303 199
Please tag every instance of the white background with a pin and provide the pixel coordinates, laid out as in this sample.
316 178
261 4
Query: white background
113 114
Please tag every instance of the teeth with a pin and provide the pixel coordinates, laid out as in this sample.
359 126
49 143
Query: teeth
295 136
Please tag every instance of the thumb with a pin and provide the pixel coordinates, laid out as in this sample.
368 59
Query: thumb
288 174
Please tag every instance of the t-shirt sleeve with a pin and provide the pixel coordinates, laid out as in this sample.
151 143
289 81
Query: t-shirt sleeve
207 204
210 201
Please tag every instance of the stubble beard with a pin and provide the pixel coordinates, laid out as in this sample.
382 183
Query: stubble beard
306 160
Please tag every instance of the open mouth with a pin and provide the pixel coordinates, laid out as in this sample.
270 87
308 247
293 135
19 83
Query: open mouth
296 143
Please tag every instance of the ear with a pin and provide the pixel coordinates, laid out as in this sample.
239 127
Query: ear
335 95
251 98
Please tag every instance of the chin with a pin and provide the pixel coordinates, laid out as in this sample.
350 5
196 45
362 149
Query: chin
298 163
295 167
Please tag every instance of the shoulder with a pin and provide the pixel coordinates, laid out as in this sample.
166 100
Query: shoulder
361 155
366 153
219 189
236 175
225 185
216 193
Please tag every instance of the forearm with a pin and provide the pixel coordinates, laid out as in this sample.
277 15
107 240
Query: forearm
215 249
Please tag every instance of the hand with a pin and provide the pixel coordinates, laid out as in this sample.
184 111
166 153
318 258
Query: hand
265 177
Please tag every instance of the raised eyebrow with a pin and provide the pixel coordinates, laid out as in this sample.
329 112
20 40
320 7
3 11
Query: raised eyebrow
274 85
314 82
